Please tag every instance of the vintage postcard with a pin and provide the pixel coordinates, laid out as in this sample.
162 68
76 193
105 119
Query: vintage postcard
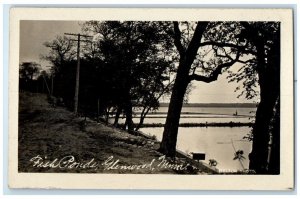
176 99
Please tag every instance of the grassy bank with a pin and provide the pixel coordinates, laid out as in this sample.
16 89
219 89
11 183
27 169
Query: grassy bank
51 135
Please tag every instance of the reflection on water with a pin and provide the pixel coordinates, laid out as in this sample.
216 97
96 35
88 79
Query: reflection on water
215 142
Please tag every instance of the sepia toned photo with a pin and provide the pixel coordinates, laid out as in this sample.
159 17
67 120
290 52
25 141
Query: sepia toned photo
128 98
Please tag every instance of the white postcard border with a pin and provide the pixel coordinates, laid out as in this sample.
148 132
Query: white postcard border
284 181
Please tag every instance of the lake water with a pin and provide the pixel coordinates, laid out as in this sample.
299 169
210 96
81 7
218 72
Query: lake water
217 143
199 115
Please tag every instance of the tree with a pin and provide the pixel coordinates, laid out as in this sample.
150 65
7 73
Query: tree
27 72
260 41
266 39
62 50
186 72
263 70
61 55
134 58
152 89
274 158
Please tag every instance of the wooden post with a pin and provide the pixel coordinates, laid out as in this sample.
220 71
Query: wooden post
77 69
98 104
46 84
77 76
43 87
51 84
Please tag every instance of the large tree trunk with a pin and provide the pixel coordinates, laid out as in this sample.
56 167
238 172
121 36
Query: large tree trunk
128 111
274 156
274 61
169 140
269 81
261 137
117 116
187 57
107 115
142 118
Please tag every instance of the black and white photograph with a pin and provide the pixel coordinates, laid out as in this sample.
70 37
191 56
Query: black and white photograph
184 97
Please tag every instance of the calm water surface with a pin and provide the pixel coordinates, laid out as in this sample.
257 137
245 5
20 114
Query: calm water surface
215 142
199 115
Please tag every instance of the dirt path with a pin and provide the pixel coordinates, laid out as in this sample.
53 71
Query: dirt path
52 139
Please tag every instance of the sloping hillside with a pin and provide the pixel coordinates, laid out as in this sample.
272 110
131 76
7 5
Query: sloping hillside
52 139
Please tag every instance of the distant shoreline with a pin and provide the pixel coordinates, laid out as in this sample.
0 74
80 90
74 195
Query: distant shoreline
222 116
211 105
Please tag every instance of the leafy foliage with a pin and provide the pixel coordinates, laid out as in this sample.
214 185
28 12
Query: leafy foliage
28 70
212 162
239 155
126 63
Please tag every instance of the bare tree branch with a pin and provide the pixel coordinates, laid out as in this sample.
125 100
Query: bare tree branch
218 44
215 74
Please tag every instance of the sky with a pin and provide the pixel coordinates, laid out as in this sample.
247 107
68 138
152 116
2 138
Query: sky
34 33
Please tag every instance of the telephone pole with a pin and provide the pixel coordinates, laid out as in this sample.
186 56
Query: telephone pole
78 40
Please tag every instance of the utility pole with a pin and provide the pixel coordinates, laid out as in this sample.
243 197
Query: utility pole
78 40
52 80
52 84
